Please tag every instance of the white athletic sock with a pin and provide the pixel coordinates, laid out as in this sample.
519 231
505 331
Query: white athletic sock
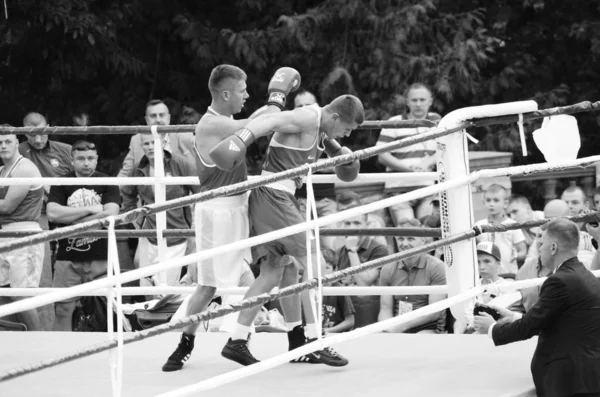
291 326
240 332
310 331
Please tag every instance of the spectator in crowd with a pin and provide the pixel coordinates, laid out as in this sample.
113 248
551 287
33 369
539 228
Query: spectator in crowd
597 198
338 311
532 268
355 251
324 192
488 261
434 221
418 270
575 198
80 260
178 218
566 318
349 199
182 144
512 242
52 159
20 209
416 158
520 210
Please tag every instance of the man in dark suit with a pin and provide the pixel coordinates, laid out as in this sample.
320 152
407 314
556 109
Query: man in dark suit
566 318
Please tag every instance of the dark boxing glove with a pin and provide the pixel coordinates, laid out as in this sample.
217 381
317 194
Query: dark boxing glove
231 151
481 308
284 81
345 172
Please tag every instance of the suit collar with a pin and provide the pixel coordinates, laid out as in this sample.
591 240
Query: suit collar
569 263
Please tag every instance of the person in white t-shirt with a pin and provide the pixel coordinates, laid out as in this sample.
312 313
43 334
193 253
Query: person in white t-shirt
519 209
512 242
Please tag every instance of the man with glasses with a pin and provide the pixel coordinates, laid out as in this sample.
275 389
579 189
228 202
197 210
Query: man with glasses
416 271
80 259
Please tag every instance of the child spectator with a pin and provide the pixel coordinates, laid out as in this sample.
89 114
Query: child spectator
488 261
520 210
338 312
512 242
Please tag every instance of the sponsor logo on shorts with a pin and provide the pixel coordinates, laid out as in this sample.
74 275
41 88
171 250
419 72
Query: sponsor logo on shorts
311 157
233 147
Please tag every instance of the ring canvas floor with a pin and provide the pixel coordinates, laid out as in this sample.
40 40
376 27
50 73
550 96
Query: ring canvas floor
380 365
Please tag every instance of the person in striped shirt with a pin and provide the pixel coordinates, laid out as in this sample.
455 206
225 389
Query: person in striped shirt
416 158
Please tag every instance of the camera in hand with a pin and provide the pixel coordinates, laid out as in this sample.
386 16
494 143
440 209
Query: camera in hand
481 308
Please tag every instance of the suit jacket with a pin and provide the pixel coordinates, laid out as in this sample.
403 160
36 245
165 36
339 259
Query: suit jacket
567 319
182 144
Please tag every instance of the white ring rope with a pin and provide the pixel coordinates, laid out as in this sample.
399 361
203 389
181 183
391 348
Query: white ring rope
114 272
316 297
239 291
193 180
46 299
330 340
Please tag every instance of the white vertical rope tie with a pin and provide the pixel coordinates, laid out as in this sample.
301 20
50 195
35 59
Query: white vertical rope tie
310 199
115 357
159 198
522 135
309 265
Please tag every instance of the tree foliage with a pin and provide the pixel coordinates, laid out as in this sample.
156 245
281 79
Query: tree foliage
109 57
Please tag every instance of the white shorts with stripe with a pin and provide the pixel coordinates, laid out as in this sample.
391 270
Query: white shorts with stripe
218 222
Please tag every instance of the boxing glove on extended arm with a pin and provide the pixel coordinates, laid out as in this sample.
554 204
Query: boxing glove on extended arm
231 151
284 81
346 172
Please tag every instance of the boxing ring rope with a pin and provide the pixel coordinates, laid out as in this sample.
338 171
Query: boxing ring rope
299 171
259 300
327 291
379 231
299 228
334 218
311 284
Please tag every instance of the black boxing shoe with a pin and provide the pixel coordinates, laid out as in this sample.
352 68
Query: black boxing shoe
181 354
238 351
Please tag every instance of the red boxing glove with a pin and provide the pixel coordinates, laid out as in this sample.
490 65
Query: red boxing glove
349 171
346 172
231 151
284 81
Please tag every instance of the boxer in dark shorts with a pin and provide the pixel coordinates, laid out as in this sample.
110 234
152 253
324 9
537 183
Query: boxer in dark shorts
301 136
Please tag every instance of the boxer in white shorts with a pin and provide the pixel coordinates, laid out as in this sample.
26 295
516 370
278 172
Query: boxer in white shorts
222 220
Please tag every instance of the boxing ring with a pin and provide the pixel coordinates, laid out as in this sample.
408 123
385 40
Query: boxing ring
426 364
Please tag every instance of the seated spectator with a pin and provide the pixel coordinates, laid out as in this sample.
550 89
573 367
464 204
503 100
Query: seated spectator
80 260
20 209
338 311
577 200
559 208
356 251
512 242
177 218
418 270
488 261
433 221
421 157
520 210
597 198
349 199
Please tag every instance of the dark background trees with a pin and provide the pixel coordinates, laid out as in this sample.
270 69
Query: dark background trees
109 57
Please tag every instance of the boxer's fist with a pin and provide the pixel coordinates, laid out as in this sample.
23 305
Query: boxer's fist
349 171
231 152
284 81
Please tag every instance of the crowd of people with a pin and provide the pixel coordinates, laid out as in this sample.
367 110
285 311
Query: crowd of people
216 155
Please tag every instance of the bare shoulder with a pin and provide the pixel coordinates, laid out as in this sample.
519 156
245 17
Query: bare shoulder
26 169
218 126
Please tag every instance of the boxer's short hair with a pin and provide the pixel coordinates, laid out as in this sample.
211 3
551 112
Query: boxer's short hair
349 107
223 72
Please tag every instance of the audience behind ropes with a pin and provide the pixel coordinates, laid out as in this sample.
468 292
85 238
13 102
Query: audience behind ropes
501 256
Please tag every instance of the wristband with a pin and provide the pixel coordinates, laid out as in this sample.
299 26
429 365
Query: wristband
246 136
